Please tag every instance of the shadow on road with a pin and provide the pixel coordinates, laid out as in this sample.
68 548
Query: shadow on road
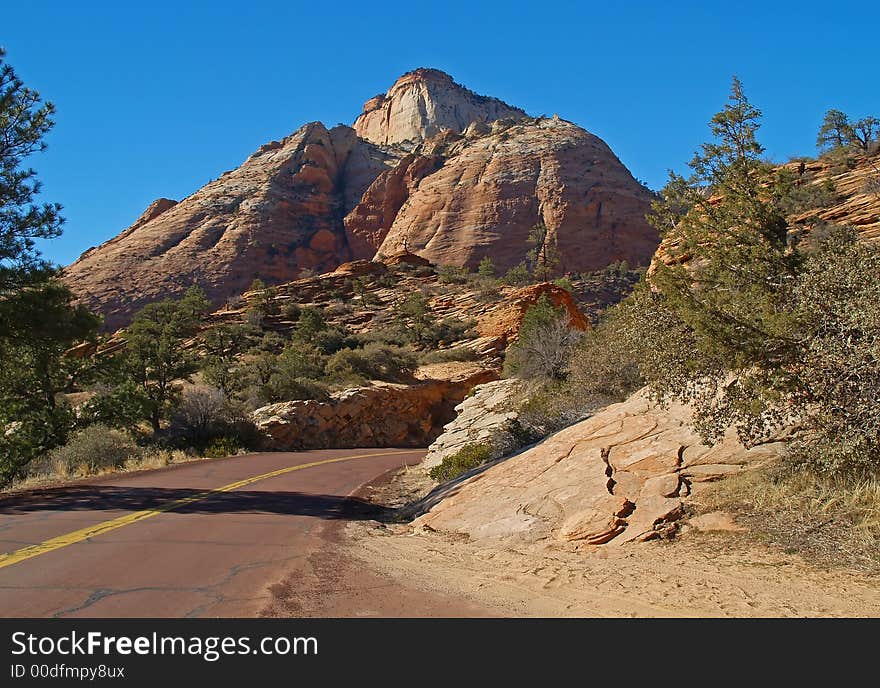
110 498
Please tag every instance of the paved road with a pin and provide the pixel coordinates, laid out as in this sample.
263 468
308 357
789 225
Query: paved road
205 538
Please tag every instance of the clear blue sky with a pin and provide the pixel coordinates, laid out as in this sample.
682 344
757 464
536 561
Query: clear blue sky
157 98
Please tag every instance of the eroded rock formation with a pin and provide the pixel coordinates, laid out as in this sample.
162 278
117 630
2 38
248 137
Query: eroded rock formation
278 213
423 103
429 168
493 188
620 476
381 415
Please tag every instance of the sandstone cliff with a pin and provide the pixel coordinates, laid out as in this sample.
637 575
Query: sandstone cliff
493 187
429 167
423 103
278 213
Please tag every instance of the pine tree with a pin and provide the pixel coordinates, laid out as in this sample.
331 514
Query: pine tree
24 122
543 258
835 132
155 358
722 300
38 321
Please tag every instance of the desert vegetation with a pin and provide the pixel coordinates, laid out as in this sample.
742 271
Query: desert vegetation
757 313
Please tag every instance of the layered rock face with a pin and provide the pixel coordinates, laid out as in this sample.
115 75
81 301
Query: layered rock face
857 202
278 213
494 187
429 168
367 225
621 476
423 103
381 415
484 417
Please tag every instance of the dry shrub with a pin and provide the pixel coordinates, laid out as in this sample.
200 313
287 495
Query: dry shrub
831 521
91 450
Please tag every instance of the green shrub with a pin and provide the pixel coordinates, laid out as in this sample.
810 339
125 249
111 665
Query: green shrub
283 388
517 276
604 368
374 362
222 446
447 331
334 339
451 274
459 353
265 299
90 450
291 310
486 268
337 309
123 407
468 457
310 322
565 283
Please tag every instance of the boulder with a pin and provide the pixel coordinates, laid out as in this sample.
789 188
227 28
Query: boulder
483 416
615 478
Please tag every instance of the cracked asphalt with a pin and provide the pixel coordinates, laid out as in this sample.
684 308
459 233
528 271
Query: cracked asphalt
214 555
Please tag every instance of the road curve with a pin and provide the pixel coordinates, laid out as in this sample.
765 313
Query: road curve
205 538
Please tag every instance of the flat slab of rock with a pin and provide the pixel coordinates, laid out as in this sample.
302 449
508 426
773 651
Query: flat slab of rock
617 478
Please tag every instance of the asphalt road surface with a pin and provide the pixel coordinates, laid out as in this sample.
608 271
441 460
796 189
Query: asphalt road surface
205 538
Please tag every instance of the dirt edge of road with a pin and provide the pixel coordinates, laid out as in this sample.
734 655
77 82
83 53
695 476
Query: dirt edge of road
389 569
333 582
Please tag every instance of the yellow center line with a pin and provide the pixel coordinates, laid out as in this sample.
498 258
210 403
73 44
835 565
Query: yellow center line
100 528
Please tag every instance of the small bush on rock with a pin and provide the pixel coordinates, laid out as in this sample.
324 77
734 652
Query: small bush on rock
468 457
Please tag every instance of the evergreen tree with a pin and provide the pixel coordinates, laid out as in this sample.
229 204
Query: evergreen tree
38 322
543 257
24 122
486 268
835 132
155 357
720 307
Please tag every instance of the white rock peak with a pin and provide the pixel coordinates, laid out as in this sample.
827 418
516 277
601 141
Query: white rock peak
423 103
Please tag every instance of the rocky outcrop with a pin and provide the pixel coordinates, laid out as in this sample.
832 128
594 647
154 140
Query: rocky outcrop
858 190
423 103
430 168
621 476
369 304
381 415
484 417
277 214
502 324
493 188
856 187
367 225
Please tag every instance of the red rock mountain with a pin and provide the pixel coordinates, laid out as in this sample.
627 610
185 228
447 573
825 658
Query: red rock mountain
429 166
494 185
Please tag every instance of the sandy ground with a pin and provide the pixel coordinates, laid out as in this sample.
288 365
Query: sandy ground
700 575
393 570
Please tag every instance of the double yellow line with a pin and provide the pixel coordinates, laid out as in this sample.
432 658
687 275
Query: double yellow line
137 516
